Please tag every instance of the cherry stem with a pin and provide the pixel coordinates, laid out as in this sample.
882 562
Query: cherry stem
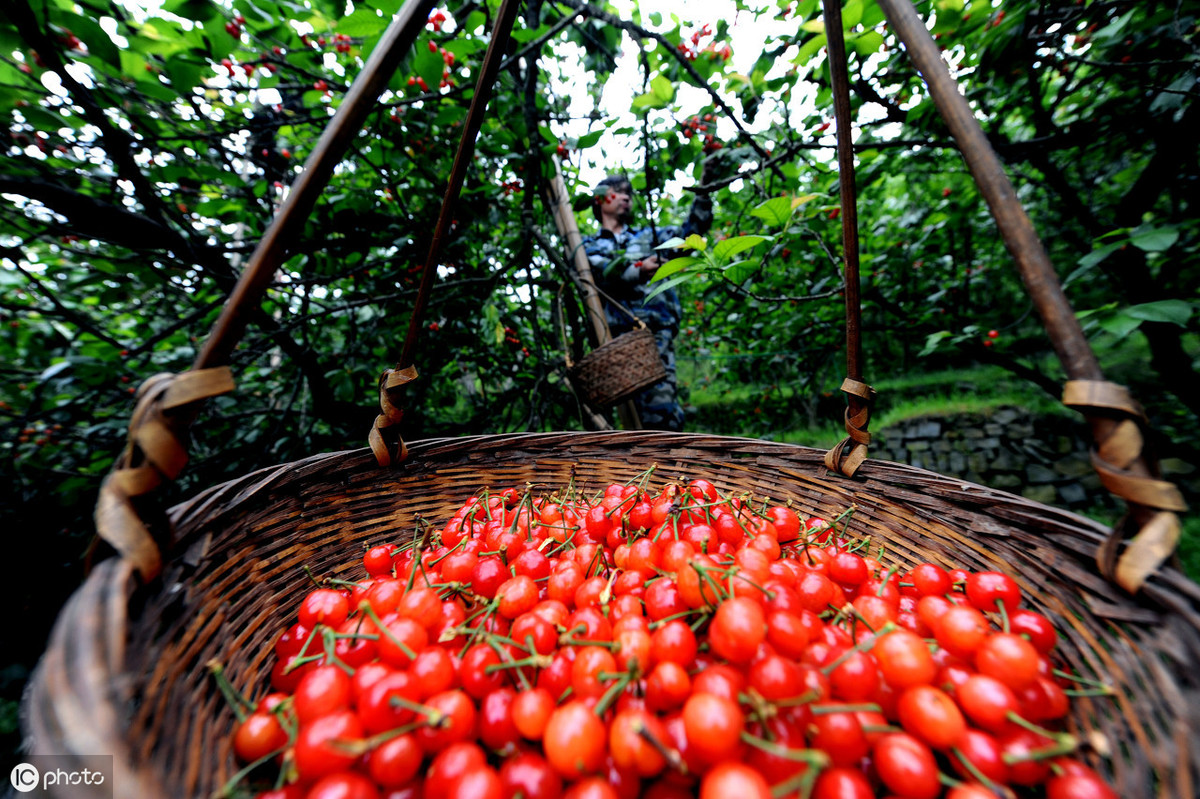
329 641
432 714
672 756
308 572
302 656
1105 691
866 645
683 614
1003 615
1082 680
610 645
612 693
384 737
805 698
233 696
974 771
461 542
862 707
887 576
514 664
814 758
403 647
1063 743
703 573
227 790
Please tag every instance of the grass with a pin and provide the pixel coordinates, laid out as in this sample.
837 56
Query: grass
773 413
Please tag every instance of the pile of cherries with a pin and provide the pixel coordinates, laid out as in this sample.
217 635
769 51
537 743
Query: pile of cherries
661 644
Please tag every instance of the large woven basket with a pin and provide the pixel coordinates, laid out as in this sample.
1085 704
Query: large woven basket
619 369
126 669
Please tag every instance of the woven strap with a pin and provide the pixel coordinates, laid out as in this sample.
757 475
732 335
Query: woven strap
850 452
155 452
384 437
1159 532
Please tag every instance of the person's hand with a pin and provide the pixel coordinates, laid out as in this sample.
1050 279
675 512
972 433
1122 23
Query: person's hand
648 266
712 170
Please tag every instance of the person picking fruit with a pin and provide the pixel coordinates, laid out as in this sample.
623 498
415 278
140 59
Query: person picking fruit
624 260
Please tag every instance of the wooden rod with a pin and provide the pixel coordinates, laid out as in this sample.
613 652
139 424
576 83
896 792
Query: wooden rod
564 218
568 228
1122 461
397 41
496 50
1022 240
840 84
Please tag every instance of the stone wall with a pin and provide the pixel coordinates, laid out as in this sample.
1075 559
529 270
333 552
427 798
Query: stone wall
1041 457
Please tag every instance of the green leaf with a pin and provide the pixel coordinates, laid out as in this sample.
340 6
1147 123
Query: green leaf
428 65
740 271
463 48
1176 312
670 283
729 247
196 10
810 48
872 15
364 22
775 211
1120 325
694 242
647 101
589 140
98 42
932 341
673 243
852 14
183 72
814 26
1153 239
1089 261
524 36
662 88
675 265
866 44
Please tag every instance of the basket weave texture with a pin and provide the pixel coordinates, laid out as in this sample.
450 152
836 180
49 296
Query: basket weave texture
125 671
615 371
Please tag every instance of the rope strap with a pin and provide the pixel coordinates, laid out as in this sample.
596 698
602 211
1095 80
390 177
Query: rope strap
839 459
384 437
1148 547
154 453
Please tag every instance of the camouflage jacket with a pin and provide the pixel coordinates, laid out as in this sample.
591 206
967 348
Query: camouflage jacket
613 257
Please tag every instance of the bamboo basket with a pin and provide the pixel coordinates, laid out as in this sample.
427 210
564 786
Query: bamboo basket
619 369
126 670
126 673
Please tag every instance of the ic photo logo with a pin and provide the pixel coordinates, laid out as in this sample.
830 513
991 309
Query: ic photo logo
25 777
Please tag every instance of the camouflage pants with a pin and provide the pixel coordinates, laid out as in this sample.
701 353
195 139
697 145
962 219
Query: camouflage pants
658 406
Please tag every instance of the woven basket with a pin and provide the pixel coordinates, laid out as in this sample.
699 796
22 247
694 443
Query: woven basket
615 371
125 672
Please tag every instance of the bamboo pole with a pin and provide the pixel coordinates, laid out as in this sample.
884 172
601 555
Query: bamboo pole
1125 467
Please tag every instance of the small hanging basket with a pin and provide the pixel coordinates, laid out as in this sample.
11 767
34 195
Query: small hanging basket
614 372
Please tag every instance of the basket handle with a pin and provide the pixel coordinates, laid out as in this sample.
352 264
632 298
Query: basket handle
168 404
848 454
1119 453
384 437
